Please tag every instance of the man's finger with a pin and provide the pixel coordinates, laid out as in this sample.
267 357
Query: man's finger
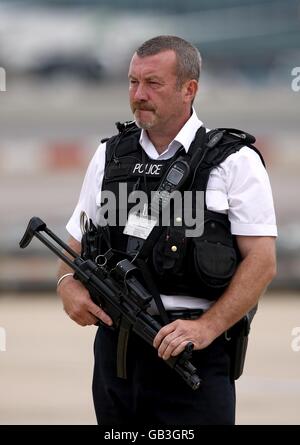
168 345
166 330
180 348
170 340
89 320
100 314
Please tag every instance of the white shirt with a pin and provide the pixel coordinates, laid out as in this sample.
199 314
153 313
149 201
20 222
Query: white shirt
239 187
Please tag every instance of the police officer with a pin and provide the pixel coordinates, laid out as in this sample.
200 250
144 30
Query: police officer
163 82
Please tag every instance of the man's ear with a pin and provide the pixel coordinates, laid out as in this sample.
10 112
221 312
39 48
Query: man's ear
190 89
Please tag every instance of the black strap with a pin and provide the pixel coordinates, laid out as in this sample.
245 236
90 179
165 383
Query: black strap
245 137
196 154
153 289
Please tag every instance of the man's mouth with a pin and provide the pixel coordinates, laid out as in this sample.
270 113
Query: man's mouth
143 108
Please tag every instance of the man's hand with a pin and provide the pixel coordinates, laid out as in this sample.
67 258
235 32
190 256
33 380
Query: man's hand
76 298
78 304
256 270
173 338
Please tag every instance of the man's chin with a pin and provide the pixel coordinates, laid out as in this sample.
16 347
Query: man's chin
145 122
144 125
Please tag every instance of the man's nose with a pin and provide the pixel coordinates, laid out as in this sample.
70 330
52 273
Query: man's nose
140 93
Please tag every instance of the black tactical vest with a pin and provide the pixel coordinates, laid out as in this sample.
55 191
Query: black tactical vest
199 266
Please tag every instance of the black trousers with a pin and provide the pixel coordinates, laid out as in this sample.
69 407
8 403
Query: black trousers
153 394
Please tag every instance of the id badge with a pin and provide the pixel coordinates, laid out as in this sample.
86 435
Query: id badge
139 226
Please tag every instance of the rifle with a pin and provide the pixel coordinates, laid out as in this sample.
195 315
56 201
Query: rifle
121 294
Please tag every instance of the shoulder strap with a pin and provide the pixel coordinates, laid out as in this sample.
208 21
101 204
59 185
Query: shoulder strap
116 146
231 142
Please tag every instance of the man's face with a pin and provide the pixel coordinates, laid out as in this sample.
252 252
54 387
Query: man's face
155 98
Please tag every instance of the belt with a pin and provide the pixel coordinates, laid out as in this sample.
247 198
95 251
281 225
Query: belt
184 314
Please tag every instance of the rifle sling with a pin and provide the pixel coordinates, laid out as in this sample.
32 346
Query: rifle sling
196 153
153 289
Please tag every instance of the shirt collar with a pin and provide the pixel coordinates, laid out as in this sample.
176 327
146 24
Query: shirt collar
184 138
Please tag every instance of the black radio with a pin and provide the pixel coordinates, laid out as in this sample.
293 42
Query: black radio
173 180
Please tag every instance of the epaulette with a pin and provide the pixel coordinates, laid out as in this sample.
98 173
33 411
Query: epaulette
246 138
122 127
128 125
231 141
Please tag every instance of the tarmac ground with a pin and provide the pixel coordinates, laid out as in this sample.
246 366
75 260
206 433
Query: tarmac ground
46 364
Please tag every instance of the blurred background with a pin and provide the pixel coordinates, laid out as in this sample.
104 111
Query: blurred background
63 85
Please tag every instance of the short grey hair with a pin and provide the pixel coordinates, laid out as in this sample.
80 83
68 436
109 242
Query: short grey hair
188 56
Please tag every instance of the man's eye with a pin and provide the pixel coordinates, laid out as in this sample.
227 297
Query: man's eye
133 82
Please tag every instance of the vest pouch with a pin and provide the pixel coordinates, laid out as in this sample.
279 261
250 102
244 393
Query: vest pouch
214 263
215 259
169 252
